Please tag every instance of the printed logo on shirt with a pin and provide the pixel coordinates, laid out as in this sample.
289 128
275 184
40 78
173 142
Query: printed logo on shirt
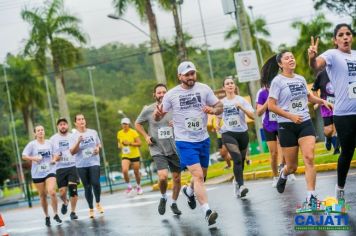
351 66
230 110
87 141
297 89
45 153
329 88
190 100
63 145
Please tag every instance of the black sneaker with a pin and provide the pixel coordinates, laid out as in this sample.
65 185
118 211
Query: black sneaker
328 143
57 219
211 217
64 209
48 221
191 199
73 216
336 151
162 206
281 183
175 209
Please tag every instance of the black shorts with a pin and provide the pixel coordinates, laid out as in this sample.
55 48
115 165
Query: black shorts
289 133
66 175
241 138
171 161
328 120
41 180
219 143
270 136
136 159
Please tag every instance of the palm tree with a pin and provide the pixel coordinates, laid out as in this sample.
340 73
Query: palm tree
172 6
25 100
258 27
51 26
318 26
144 9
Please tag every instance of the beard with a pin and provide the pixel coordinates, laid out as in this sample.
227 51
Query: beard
159 100
189 83
63 131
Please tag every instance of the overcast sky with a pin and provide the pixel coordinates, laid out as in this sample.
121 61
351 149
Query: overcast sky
101 30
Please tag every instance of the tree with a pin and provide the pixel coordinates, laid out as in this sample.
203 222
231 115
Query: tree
5 161
25 100
258 27
52 25
318 26
341 7
172 6
144 9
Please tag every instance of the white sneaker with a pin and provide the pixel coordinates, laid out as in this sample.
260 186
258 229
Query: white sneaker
235 187
274 182
292 177
339 193
243 191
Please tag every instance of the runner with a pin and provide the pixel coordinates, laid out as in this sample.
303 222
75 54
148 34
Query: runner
323 84
340 65
270 125
129 142
221 147
85 146
67 176
288 98
190 103
43 171
234 132
160 141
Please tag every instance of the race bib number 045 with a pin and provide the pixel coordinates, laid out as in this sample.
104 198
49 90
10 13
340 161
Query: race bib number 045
193 124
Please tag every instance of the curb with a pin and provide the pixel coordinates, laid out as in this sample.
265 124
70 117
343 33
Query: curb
259 175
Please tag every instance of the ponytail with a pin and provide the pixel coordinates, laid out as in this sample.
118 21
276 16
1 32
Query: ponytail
269 70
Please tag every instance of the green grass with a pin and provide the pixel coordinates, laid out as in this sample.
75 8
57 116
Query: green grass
8 192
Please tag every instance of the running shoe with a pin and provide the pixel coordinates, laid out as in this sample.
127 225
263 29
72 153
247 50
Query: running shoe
211 217
48 221
64 209
292 177
139 190
128 190
175 209
162 206
227 167
328 143
57 219
281 183
336 151
243 190
191 199
339 193
91 213
73 216
99 208
274 182
248 162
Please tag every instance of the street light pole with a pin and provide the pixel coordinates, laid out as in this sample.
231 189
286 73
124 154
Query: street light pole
21 177
90 68
257 41
50 105
206 46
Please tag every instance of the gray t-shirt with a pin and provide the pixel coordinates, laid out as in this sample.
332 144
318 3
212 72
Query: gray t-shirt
85 157
291 95
341 69
44 167
188 117
234 118
159 130
60 145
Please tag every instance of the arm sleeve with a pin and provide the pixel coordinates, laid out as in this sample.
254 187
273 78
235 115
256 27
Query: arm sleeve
261 99
166 103
142 117
274 90
28 150
97 139
328 57
247 105
211 98
135 134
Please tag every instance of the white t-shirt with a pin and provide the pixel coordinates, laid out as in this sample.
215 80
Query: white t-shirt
60 145
188 117
234 118
85 157
291 95
341 69
42 168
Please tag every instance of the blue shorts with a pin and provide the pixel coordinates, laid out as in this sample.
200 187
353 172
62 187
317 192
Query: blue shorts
192 153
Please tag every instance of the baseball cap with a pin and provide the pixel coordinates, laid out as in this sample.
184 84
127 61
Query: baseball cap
62 119
125 121
186 66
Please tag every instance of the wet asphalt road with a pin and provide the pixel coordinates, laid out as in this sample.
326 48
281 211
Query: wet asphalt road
263 212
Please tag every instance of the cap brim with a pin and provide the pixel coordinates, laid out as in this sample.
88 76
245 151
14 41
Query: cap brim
189 70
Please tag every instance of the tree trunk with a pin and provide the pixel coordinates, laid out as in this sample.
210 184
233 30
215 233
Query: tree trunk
26 114
155 46
180 37
61 95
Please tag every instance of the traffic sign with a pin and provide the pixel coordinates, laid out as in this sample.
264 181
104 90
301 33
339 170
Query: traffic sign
247 66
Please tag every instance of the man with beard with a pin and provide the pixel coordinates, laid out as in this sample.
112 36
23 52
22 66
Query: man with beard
67 176
162 148
190 102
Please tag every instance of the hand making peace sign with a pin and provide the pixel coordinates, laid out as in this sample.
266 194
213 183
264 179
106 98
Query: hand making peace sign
313 48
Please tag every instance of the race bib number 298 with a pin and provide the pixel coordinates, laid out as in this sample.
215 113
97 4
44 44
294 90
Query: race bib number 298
193 124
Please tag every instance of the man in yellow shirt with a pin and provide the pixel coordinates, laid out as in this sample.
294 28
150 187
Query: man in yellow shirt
128 141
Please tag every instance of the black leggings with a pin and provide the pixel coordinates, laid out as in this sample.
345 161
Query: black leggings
346 132
90 177
236 143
